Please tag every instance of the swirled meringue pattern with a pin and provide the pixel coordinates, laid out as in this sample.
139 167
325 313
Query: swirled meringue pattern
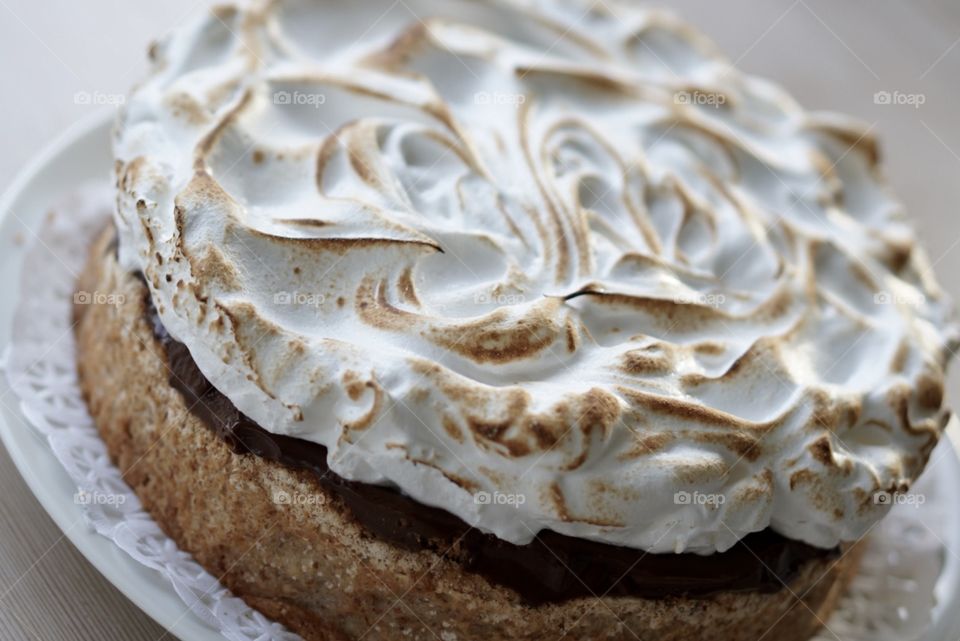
544 266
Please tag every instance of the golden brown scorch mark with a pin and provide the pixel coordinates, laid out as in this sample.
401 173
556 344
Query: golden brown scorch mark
406 288
356 387
498 338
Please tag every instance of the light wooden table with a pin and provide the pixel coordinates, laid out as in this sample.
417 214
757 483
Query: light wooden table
831 55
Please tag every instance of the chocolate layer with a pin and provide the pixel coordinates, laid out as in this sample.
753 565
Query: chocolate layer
553 567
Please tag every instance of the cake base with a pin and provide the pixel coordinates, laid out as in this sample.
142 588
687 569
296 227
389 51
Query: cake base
275 538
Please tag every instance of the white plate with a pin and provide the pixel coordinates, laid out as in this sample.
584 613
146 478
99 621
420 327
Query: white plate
79 155
82 154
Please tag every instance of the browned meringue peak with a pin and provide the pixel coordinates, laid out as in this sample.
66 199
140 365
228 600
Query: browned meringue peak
540 265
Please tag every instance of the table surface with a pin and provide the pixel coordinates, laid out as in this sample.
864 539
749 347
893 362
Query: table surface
830 55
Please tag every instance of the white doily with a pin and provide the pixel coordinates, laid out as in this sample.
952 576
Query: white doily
891 598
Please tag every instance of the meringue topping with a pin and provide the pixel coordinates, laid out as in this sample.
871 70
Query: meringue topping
541 265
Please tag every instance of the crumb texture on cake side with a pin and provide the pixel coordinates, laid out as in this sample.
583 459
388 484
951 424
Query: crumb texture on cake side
310 566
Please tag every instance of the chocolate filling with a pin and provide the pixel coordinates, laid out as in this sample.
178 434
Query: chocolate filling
552 568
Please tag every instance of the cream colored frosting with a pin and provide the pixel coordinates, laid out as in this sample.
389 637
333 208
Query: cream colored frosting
540 265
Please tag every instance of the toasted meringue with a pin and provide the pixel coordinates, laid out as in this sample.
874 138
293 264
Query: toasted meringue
543 266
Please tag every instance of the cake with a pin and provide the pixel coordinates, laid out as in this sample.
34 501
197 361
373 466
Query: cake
506 319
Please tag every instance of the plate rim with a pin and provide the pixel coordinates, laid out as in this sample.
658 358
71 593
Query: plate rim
146 588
